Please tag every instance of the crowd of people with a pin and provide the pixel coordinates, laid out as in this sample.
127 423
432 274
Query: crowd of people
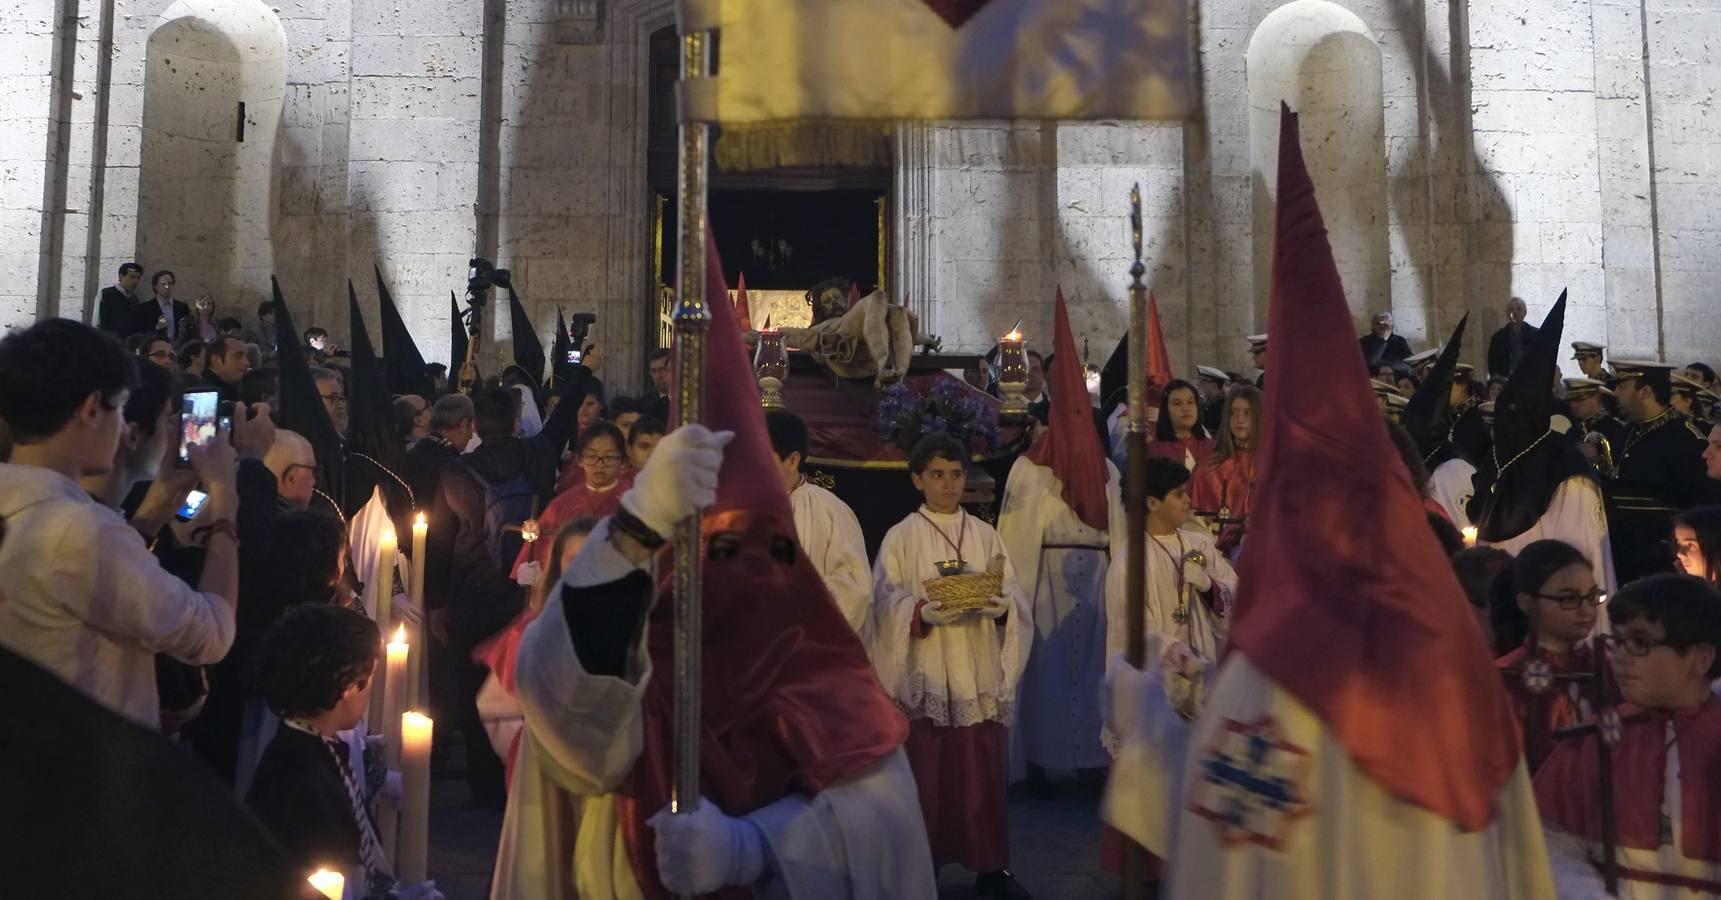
1577 515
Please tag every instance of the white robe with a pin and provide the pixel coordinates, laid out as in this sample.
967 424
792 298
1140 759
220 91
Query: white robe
861 838
1577 515
959 674
1451 486
1576 878
1352 840
1205 631
831 537
1058 699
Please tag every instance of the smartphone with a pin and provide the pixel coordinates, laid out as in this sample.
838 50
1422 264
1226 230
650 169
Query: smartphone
574 356
197 421
193 503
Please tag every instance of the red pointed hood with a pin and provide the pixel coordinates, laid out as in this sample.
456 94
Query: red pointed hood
1071 447
743 315
1158 360
790 702
1346 600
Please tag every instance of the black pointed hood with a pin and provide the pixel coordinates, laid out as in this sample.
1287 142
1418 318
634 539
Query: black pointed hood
1428 415
1114 378
457 340
1530 461
528 350
399 351
374 452
301 406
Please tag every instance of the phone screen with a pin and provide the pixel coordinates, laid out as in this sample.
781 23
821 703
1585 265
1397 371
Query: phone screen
197 418
193 503
574 356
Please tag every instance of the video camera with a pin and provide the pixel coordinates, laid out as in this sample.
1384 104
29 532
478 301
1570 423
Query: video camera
482 275
579 327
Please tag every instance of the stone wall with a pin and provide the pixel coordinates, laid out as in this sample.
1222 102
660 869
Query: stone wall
1525 148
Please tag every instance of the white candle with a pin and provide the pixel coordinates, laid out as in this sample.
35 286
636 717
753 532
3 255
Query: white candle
386 554
1469 535
332 885
415 666
415 732
394 694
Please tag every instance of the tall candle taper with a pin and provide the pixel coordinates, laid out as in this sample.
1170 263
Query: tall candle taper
415 732
394 694
415 664
386 554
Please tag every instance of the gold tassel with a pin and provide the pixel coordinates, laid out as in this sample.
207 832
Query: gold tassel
804 143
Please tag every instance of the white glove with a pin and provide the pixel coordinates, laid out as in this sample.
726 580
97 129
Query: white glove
995 608
425 891
934 613
1195 575
679 479
705 850
529 574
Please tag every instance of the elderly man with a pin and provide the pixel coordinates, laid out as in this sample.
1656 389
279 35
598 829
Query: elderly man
1382 347
295 466
1508 345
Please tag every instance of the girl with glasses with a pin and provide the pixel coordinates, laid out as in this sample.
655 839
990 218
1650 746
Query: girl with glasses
600 453
1549 600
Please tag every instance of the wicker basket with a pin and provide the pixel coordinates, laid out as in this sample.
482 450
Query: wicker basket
970 591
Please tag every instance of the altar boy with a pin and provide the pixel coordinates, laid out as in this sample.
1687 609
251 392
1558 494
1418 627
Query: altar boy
953 671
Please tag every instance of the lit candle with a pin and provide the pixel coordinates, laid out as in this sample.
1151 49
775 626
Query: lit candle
385 557
1469 535
1013 375
332 885
415 664
394 694
414 862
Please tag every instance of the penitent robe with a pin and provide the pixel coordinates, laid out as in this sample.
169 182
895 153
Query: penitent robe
1577 515
1341 836
1451 485
1062 562
561 837
831 537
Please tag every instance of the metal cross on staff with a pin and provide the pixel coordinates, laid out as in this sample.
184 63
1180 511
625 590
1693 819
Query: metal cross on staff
1135 502
1606 725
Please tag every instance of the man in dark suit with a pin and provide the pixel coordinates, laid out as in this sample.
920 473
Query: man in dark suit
1507 346
1381 346
118 301
160 314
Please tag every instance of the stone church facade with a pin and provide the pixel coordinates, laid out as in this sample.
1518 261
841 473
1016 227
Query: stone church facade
1465 151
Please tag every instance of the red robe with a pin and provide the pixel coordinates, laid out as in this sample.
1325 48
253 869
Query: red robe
962 775
1562 705
573 503
1181 450
1567 793
1224 488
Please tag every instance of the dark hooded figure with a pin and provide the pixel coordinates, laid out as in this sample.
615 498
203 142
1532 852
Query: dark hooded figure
406 368
1540 486
1431 420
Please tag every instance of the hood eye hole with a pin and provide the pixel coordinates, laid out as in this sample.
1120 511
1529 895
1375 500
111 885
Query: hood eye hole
783 550
724 545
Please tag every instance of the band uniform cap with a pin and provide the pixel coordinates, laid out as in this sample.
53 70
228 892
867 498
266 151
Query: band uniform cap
1212 373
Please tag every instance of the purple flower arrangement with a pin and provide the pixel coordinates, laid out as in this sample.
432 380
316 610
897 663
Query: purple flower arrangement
906 415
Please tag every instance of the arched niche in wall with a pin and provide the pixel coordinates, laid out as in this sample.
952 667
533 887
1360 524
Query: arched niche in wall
1322 59
214 80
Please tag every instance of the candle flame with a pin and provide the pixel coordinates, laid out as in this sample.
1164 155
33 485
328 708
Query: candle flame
1469 535
1014 335
330 884
420 521
399 635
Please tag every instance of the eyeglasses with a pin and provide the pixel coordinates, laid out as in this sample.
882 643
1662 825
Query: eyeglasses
592 459
1636 646
162 354
337 399
1572 601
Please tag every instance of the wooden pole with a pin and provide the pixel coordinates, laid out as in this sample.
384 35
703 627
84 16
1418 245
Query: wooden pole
1606 714
1135 506
691 318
